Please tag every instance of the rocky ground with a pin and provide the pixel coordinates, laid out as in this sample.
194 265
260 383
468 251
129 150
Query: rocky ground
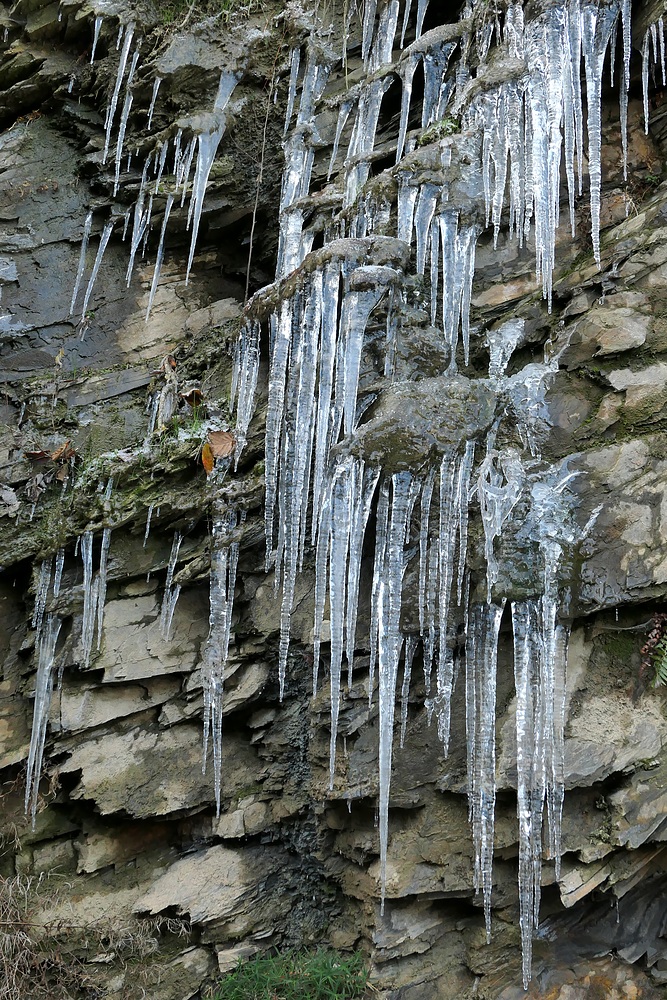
129 885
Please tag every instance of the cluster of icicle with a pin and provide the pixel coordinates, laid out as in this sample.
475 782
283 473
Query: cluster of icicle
47 625
317 322
169 164
316 336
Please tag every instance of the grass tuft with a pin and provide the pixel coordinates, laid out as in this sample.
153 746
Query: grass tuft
296 975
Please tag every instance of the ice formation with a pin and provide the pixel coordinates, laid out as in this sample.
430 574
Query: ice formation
529 118
171 590
514 86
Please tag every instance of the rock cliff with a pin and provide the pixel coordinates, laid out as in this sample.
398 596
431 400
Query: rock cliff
117 475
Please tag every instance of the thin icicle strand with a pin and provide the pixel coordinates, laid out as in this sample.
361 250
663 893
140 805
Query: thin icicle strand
171 592
82 259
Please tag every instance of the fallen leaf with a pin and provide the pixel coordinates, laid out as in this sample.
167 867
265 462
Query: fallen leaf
222 443
193 397
38 455
63 453
207 459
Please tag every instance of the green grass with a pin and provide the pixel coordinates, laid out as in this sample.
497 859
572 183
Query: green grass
296 975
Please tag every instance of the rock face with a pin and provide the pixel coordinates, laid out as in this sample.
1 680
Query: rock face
128 883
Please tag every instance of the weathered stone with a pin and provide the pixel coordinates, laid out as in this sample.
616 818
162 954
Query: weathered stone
77 707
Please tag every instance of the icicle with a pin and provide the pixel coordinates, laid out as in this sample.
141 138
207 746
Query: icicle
330 287
246 370
503 340
422 6
102 583
224 561
152 419
151 108
82 259
343 115
531 775
111 111
96 37
366 483
171 592
645 68
481 661
58 575
626 16
295 59
411 62
322 514
381 529
406 18
597 25
90 594
225 90
125 114
104 239
497 501
159 256
389 594
41 593
410 648
148 523
159 168
407 197
46 651
436 60
342 490
207 147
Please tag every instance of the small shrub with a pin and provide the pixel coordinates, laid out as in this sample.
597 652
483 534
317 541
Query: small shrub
654 651
318 975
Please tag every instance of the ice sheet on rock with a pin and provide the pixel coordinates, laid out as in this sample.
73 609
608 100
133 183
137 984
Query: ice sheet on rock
224 562
171 591
46 653
503 340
